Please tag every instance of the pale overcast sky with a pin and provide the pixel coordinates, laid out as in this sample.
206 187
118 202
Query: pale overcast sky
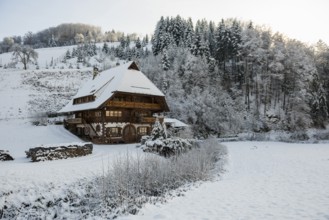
305 20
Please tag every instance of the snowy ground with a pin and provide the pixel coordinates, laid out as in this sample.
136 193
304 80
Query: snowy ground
23 173
264 180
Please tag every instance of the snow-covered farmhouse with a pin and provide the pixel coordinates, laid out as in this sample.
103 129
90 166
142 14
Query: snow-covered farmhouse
117 105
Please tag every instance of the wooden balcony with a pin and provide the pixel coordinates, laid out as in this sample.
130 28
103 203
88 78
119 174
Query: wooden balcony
136 105
148 120
74 121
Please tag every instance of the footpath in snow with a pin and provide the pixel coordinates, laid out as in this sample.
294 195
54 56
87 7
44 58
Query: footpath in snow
263 180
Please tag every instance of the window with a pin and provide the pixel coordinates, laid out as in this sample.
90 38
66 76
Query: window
144 114
113 113
98 114
84 99
142 130
98 128
113 132
87 130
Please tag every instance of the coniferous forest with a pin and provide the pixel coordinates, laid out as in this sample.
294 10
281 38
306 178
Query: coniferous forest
234 76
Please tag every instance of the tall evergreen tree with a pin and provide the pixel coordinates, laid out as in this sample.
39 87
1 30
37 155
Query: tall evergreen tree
222 41
188 34
165 61
138 43
158 37
211 39
318 103
177 29
68 54
106 48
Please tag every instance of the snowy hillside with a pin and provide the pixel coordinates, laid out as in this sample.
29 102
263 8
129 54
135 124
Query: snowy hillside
52 58
31 93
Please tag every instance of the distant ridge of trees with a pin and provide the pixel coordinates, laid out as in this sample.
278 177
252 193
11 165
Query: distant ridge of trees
63 35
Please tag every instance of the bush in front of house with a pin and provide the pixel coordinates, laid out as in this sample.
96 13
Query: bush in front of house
4 155
169 146
60 151
162 143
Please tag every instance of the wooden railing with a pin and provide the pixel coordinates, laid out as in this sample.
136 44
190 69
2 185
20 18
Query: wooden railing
140 105
148 120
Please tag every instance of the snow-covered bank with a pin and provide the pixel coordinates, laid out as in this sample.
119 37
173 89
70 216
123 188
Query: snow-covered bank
264 180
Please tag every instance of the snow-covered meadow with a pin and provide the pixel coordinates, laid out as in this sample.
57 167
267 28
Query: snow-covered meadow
263 180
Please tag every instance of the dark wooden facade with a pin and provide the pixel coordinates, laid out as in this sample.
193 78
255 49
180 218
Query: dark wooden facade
123 118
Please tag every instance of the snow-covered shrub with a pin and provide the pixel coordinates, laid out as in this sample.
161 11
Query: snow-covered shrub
61 151
160 142
39 119
299 136
168 147
135 180
4 155
321 135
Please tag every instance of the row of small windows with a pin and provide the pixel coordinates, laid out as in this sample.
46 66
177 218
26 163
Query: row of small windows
134 99
116 131
83 100
142 130
112 132
99 114
111 114
141 99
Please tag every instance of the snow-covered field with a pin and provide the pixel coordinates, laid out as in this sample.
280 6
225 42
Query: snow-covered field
263 180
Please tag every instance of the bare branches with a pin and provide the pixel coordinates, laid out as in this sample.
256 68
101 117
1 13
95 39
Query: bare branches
24 54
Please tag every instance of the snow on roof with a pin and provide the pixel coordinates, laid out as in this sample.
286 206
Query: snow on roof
119 79
174 122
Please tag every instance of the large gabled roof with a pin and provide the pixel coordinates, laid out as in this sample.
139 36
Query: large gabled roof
125 78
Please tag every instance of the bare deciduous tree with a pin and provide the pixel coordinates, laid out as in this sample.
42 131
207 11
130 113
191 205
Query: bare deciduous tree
24 54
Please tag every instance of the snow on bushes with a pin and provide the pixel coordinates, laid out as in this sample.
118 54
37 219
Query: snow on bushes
129 182
4 155
162 143
62 151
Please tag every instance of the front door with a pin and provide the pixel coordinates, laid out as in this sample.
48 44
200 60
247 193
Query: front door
129 134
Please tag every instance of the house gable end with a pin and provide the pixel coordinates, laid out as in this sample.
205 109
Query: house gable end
133 66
